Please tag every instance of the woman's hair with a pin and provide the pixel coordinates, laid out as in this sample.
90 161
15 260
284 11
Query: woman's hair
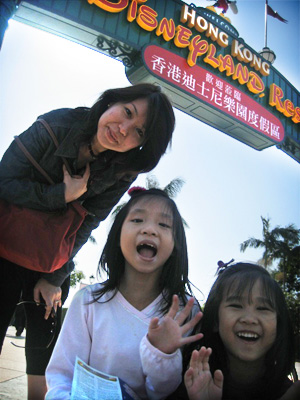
159 125
238 278
174 276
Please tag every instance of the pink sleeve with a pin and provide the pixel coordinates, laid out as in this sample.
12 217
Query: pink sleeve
163 372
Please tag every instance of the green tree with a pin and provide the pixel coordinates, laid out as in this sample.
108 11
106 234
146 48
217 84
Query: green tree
275 242
288 254
75 277
282 244
172 188
288 276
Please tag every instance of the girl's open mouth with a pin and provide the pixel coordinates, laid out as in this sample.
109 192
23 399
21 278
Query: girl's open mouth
147 250
248 336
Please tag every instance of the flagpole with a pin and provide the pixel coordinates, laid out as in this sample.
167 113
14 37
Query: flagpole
268 54
266 13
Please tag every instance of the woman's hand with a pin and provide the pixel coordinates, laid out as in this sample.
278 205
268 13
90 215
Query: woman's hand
75 185
167 335
51 295
198 379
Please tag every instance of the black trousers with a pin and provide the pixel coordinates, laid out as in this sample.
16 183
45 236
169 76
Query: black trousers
17 282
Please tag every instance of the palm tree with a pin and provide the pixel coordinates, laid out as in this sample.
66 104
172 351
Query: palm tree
268 242
288 252
283 244
172 189
276 242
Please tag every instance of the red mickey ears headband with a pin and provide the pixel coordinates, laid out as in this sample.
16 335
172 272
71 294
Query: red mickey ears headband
135 189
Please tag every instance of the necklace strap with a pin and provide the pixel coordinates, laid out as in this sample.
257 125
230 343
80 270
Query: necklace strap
93 155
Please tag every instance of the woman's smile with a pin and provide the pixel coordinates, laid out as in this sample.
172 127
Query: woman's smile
111 136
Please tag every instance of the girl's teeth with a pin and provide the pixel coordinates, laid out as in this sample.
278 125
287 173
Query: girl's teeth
147 250
247 335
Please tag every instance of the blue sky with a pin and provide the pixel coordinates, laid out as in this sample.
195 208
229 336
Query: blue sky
229 186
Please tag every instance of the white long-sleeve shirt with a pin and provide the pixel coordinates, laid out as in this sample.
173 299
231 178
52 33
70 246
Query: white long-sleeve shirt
111 337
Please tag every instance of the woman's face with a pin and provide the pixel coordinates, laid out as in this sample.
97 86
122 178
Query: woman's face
122 126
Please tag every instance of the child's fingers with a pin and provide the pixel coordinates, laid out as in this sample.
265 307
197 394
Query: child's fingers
188 378
202 356
191 339
192 323
218 378
199 359
174 307
205 360
182 316
154 323
195 359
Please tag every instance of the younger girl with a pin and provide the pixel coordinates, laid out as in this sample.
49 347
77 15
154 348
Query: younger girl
106 326
248 340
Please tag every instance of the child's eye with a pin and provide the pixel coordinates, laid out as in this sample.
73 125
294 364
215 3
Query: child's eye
136 220
235 305
164 225
263 308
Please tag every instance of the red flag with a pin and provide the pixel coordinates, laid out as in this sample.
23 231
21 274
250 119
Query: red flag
275 14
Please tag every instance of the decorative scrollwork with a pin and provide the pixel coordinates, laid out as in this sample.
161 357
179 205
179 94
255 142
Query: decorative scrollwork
115 49
288 146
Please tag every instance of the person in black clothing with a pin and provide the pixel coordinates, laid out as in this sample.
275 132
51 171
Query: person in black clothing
19 319
107 146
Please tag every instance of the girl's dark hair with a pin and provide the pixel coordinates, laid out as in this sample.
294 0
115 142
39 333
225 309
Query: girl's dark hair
159 125
174 277
280 358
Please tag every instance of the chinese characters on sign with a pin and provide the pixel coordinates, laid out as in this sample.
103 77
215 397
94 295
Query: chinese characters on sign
213 90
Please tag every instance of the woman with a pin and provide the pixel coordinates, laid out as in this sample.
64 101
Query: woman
123 134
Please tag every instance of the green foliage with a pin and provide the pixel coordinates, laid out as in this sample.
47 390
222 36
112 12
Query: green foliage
76 277
276 242
293 303
152 182
287 275
282 244
172 189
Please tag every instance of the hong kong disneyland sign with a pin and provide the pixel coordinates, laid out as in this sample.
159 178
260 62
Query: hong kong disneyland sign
197 57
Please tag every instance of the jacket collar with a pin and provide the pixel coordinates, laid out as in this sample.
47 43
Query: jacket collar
69 147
